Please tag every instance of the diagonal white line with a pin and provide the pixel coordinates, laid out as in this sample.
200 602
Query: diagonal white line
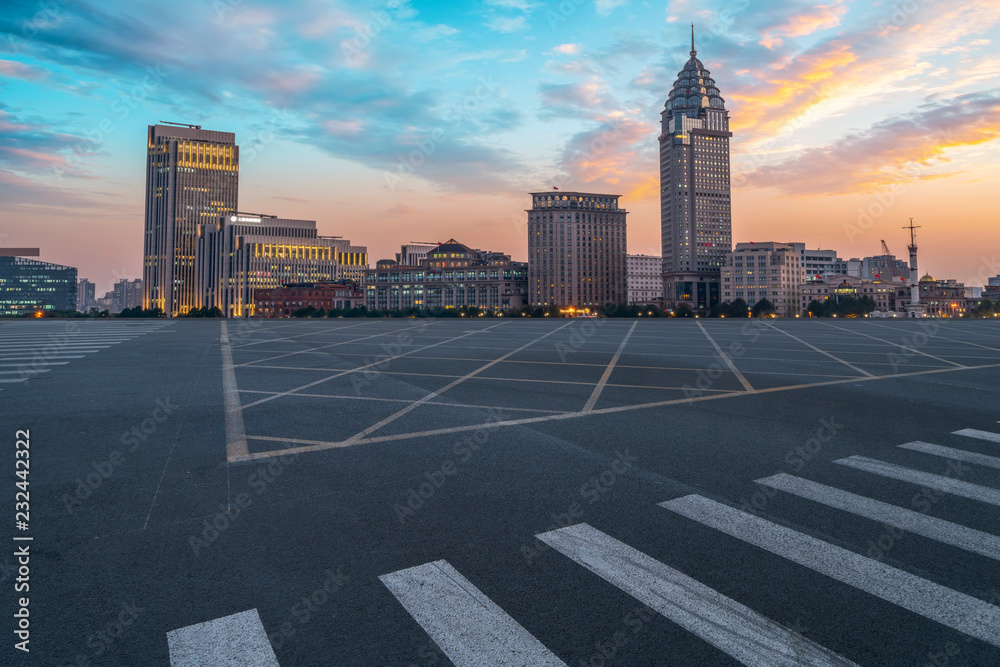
470 628
607 371
903 347
956 487
823 352
918 523
954 454
324 347
954 340
725 358
319 332
321 445
239 639
933 601
976 433
374 363
721 621
434 394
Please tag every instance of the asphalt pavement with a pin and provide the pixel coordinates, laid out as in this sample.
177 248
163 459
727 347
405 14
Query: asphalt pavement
498 491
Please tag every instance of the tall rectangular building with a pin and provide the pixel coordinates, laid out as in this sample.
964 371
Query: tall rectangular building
695 205
86 296
192 178
576 250
645 279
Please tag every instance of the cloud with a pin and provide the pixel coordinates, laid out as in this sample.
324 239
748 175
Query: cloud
910 148
522 5
505 24
806 22
18 70
567 49
575 100
605 7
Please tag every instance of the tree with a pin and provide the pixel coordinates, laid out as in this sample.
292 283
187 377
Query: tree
738 308
762 308
683 310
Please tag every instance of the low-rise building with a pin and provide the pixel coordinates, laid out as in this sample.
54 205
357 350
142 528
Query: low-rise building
242 253
819 264
28 285
644 275
768 270
285 300
885 294
451 276
939 298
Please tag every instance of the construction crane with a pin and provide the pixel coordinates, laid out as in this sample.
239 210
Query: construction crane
893 269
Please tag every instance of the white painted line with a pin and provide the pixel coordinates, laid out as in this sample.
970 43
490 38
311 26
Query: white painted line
954 454
725 358
38 363
238 640
468 627
726 624
324 347
435 394
903 347
236 435
12 381
321 445
281 339
951 608
823 352
361 368
938 337
982 435
955 487
28 370
917 523
607 371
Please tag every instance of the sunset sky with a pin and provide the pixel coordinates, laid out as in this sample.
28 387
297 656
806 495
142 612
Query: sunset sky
389 122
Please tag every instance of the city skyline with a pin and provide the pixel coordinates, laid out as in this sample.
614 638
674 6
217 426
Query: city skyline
511 97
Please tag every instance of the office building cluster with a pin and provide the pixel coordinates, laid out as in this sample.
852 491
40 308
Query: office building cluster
200 251
29 285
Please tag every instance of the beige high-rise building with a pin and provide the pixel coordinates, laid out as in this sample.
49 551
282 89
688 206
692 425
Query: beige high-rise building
192 178
576 249
644 275
695 204
769 270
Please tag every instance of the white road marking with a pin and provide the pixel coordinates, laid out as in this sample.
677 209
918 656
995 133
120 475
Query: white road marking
726 624
954 454
955 487
939 337
238 640
909 520
236 435
324 347
951 608
725 358
823 352
981 435
321 445
904 347
468 627
607 371
435 394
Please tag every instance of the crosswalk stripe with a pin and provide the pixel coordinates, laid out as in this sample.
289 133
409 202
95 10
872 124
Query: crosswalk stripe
464 623
950 485
726 624
976 433
951 608
915 522
954 454
238 640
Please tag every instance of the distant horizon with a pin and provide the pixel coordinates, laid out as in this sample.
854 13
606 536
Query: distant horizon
386 122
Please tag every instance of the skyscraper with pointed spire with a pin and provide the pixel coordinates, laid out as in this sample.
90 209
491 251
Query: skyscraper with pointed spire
695 206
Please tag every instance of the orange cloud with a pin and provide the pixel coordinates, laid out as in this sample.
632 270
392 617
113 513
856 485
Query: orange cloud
820 17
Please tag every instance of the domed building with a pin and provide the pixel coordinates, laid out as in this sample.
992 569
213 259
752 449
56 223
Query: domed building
695 209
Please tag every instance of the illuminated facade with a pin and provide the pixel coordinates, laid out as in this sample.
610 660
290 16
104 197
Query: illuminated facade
192 178
238 254
772 271
452 275
576 249
695 203
883 293
28 285
285 300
